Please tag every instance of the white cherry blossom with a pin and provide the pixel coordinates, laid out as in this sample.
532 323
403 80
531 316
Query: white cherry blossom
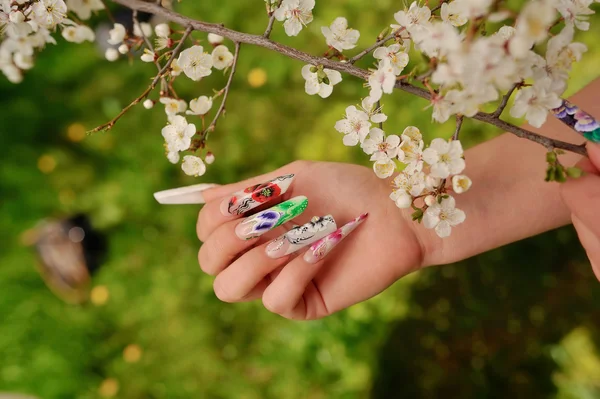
561 53
370 107
195 63
78 34
412 133
48 13
200 106
222 57
116 34
148 56
443 216
193 166
84 8
379 146
355 126
382 80
384 168
453 13
162 30
411 153
296 14
407 186
398 59
142 29
178 133
173 106
535 101
339 36
575 12
445 158
461 184
320 80
412 19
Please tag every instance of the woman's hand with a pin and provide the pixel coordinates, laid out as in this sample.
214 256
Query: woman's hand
582 196
380 251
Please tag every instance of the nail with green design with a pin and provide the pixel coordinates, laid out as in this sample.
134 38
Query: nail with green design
256 225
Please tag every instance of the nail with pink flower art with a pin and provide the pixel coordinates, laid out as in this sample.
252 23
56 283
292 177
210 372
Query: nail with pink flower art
321 248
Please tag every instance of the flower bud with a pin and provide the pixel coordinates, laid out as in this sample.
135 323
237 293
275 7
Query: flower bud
162 30
148 104
148 56
429 200
16 17
215 39
210 158
123 49
111 54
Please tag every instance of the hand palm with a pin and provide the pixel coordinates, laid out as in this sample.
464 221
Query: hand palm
379 252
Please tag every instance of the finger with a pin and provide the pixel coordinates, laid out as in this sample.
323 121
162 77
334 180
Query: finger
184 195
286 295
233 237
594 154
582 196
590 241
238 280
234 204
225 190
221 248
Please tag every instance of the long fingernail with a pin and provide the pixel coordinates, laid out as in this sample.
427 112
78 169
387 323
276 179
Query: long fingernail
579 120
253 196
301 236
256 225
183 195
321 248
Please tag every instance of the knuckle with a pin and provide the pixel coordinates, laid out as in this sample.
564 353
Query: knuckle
221 291
206 257
300 164
201 232
273 304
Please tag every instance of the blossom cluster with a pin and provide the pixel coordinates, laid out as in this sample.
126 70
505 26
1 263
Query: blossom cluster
27 26
468 69
424 171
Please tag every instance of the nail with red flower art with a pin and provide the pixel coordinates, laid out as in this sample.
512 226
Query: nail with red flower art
253 196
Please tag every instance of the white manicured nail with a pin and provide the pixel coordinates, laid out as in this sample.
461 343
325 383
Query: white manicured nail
183 195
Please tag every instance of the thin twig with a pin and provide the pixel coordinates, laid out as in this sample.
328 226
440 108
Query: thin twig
504 101
459 122
198 142
163 82
434 9
269 29
378 108
108 12
376 45
345 67
159 75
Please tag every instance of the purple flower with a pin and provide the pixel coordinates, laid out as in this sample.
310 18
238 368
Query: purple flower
266 220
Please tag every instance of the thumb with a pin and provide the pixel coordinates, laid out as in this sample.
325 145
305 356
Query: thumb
594 156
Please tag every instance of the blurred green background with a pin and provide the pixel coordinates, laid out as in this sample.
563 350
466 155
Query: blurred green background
520 321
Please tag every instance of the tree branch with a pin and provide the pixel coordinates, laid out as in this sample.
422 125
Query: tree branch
459 122
366 51
345 67
504 101
269 29
221 109
165 68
